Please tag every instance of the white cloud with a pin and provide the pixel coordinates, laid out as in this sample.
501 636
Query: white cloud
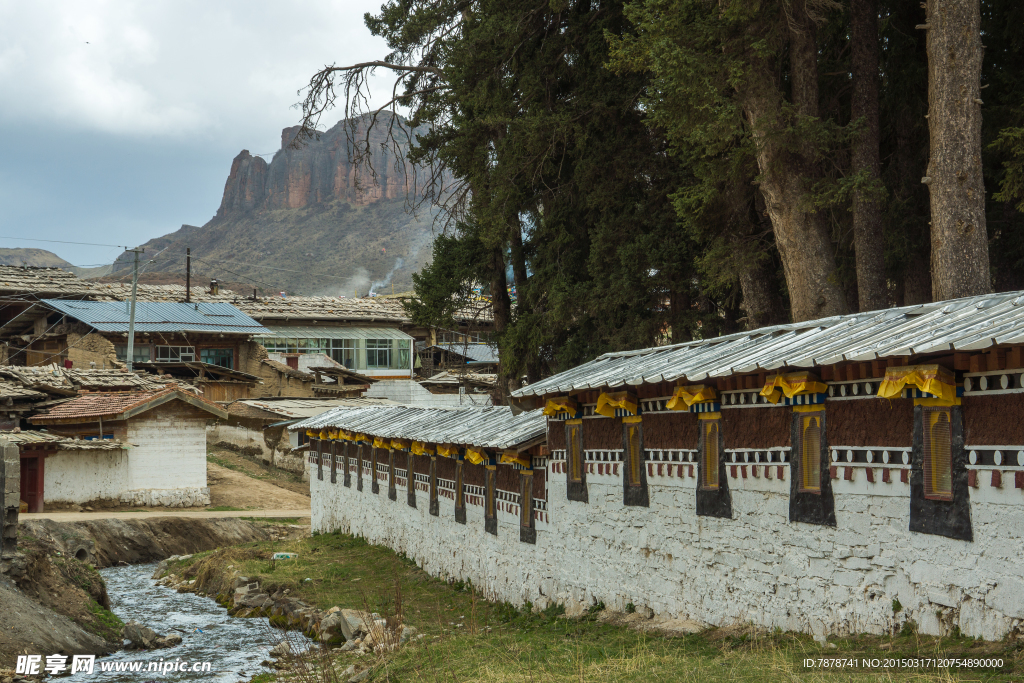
182 69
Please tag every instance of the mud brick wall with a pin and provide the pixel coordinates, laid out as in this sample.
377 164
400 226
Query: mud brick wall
870 422
994 420
756 427
670 431
602 434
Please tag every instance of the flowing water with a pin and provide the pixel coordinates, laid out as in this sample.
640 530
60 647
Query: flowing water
233 647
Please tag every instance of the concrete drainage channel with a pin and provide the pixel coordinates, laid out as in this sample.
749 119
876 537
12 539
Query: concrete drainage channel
208 634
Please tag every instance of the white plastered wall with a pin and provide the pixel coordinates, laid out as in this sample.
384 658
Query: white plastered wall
83 476
167 462
757 567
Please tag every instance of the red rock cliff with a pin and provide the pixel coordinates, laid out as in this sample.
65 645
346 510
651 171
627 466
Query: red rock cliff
318 172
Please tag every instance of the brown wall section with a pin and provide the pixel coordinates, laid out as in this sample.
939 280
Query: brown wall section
445 468
474 475
556 435
993 420
508 478
670 431
540 488
421 464
756 427
870 422
602 434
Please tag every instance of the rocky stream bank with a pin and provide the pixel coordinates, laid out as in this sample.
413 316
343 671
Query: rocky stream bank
54 600
358 633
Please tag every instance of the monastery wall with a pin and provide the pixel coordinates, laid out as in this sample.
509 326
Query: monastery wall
757 567
868 573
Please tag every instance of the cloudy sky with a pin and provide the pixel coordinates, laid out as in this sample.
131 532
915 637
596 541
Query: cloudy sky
119 120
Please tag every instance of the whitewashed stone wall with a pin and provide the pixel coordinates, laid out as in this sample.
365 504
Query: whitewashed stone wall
167 462
755 568
83 476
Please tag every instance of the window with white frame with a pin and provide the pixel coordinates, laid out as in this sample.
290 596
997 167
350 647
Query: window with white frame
140 354
175 354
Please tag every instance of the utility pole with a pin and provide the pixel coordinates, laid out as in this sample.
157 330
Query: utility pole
188 275
131 313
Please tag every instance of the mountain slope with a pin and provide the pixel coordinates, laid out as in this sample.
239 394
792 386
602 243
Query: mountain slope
41 258
309 222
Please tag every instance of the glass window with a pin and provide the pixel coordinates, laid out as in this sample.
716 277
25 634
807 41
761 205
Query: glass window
400 359
140 354
175 354
225 358
344 351
378 353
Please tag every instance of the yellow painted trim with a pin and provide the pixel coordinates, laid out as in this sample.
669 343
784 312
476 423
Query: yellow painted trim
684 397
632 420
819 408
561 404
607 403
577 421
709 416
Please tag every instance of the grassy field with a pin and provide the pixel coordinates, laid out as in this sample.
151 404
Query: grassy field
467 638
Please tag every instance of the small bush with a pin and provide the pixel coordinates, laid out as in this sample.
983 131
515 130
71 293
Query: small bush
630 608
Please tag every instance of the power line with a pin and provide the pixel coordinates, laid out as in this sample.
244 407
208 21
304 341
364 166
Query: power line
88 244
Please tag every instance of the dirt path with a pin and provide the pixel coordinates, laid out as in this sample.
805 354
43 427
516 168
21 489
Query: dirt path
230 488
292 481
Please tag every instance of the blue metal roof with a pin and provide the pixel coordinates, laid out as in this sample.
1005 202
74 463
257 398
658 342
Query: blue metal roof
159 316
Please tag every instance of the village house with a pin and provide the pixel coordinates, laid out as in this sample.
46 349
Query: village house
128 448
258 427
807 476
477 358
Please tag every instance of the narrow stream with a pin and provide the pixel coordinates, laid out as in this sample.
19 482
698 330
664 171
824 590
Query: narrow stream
233 647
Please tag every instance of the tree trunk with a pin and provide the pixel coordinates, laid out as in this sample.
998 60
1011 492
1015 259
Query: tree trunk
955 184
679 304
801 234
868 242
500 302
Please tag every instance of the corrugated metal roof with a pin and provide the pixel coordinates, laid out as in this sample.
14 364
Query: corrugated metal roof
337 332
481 353
159 316
311 407
492 427
968 324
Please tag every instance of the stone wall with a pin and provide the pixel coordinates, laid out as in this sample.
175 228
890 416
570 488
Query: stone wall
867 574
278 379
167 462
84 476
84 349
10 498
